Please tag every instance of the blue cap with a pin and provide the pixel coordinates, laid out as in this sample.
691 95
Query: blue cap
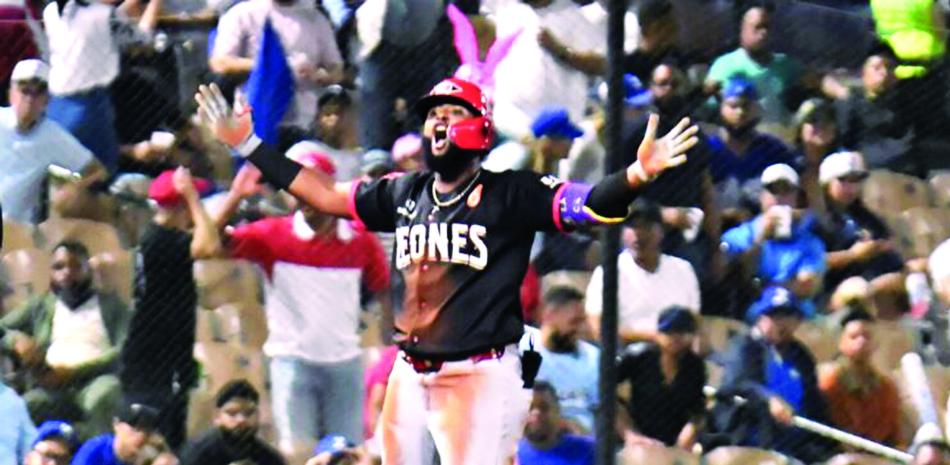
774 300
55 429
555 122
739 86
676 319
334 444
635 93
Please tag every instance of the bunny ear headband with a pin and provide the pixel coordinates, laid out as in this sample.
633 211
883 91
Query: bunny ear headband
466 45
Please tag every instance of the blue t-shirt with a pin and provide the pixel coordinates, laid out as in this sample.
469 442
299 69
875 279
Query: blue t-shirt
574 376
572 450
97 451
765 150
782 378
780 260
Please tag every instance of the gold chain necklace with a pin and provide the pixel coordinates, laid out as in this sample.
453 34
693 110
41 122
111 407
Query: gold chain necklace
453 200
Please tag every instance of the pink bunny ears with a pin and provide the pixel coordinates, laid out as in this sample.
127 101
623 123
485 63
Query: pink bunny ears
466 45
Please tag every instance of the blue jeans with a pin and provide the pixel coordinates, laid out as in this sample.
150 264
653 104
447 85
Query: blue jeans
312 400
90 118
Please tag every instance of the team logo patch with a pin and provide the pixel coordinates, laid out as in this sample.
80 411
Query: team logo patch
475 197
446 88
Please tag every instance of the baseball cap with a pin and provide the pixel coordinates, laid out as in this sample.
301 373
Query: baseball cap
779 172
162 190
311 155
646 210
841 164
676 319
334 94
814 110
636 95
407 146
555 122
774 301
29 70
376 159
56 429
739 86
334 444
138 416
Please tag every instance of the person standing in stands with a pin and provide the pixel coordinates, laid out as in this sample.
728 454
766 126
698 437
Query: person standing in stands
157 367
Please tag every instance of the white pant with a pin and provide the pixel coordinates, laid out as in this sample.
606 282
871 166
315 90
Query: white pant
474 411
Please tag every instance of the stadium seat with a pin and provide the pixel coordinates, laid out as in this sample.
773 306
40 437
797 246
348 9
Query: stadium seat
889 192
819 339
17 235
224 281
224 361
940 184
96 236
715 332
114 272
927 227
734 455
25 274
858 459
655 455
893 340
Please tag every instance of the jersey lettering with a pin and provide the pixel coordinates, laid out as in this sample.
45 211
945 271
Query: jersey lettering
456 243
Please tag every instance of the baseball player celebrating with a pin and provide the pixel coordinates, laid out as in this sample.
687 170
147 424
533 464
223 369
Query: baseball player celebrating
463 235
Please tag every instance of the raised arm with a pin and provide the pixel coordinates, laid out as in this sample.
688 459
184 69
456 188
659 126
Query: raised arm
234 128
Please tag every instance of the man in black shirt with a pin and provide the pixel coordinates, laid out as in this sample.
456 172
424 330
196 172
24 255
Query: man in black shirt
666 379
463 237
157 367
234 437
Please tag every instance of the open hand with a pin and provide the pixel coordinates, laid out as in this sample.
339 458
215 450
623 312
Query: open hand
656 156
230 126
247 181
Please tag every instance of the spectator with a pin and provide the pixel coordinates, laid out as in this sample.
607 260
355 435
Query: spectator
157 364
315 267
774 74
545 441
659 32
776 374
234 437
56 442
661 375
739 151
570 364
69 340
30 143
873 121
376 380
16 429
335 132
861 399
133 428
858 241
307 39
649 281
336 450
549 64
553 132
816 132
85 40
778 247
21 31
930 447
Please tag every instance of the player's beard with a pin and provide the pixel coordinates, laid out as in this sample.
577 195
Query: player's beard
451 164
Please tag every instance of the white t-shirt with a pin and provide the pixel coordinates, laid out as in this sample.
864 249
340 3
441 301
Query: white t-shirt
78 336
642 295
24 159
530 78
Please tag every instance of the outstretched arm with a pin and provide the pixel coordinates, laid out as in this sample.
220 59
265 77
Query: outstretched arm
234 128
608 200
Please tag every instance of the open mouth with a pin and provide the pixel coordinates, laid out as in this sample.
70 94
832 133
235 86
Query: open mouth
440 139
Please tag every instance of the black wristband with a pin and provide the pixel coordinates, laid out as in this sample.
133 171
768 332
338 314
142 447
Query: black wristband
277 169
612 195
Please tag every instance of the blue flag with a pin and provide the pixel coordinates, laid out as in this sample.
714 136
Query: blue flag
270 87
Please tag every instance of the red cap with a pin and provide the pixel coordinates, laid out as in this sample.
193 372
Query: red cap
163 192
309 155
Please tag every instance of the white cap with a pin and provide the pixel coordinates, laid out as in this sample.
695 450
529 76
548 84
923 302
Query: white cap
30 69
779 172
939 264
841 164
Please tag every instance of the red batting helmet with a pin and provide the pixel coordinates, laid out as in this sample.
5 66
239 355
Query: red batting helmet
471 134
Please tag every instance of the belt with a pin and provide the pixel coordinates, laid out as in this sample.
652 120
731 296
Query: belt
433 364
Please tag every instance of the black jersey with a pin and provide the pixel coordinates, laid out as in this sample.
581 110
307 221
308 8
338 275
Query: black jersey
464 261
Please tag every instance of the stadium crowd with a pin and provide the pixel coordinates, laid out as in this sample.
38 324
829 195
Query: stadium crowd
162 305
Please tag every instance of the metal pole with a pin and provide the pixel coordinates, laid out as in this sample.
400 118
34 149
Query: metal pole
606 440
